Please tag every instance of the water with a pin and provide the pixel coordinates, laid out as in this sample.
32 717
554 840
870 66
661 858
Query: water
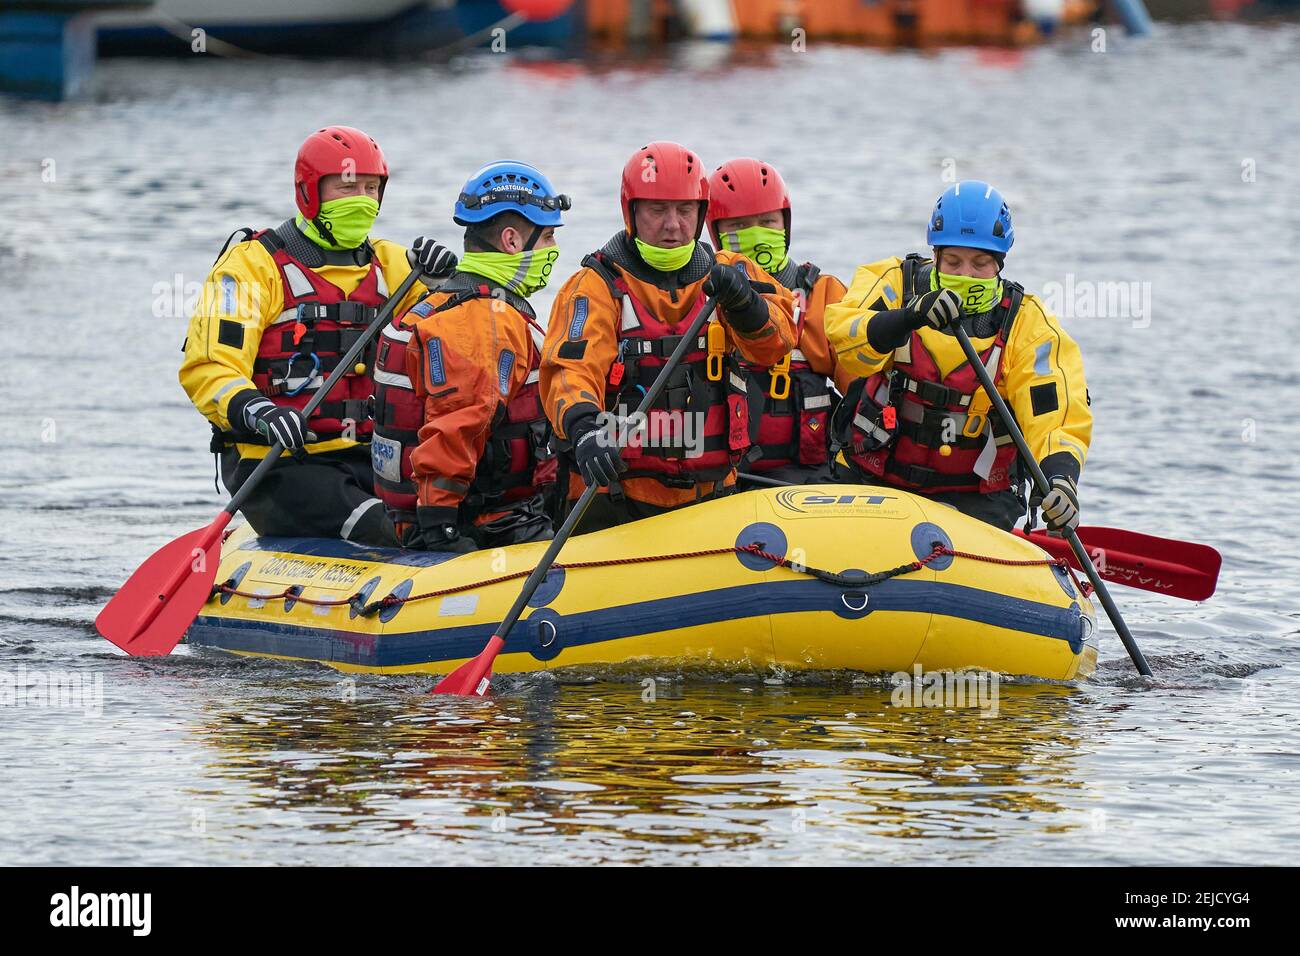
1169 164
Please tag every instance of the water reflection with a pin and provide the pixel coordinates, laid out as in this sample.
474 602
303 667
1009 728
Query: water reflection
700 767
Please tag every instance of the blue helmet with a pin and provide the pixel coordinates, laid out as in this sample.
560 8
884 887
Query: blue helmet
971 214
507 186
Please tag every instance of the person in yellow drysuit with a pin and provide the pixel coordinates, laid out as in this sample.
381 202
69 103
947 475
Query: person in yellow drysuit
278 311
916 417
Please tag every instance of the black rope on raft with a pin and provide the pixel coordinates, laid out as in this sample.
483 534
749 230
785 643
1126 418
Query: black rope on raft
850 580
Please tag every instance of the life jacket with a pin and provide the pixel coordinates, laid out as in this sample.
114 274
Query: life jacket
892 425
318 324
790 405
517 461
645 343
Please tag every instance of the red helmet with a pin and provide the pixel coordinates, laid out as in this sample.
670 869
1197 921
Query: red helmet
335 151
664 170
746 187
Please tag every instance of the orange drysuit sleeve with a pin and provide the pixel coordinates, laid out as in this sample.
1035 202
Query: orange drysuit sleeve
466 363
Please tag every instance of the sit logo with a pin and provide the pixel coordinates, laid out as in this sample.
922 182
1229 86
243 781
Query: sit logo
843 499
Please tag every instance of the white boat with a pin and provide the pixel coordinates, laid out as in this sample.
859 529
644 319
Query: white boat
308 27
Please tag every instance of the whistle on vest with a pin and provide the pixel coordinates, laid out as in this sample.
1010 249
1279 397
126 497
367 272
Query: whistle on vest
717 349
780 378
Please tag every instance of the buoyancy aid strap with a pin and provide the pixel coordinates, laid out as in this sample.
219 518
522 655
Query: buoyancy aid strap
932 427
660 348
981 404
932 393
917 476
871 428
911 267
344 313
244 233
600 264
806 277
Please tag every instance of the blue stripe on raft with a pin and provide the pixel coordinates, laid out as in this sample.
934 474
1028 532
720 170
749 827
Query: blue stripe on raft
647 617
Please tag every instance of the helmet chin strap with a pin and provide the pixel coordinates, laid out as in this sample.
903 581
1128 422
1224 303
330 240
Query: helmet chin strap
533 237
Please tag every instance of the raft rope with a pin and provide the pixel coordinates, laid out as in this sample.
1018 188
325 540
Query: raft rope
856 580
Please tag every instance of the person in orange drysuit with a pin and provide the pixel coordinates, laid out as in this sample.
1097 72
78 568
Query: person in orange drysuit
482 463
617 320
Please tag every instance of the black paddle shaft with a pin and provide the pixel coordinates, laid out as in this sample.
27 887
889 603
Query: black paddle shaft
687 343
345 364
1040 480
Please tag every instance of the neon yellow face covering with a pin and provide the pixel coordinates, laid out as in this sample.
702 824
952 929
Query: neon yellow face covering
665 260
760 245
349 220
977 295
523 273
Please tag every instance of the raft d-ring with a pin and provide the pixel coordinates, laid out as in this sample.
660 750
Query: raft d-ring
844 598
546 642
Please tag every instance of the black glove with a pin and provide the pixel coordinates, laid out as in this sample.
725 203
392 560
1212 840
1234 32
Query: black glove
597 459
276 423
731 287
432 258
1060 506
940 309
435 530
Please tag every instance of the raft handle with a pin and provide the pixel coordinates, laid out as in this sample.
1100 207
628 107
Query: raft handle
554 633
844 598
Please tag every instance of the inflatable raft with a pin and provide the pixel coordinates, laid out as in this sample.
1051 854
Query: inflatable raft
820 577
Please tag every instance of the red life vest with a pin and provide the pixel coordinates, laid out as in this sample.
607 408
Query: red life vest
793 430
516 462
892 425
645 343
303 345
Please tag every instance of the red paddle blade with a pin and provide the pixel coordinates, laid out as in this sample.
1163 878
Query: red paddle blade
153 609
1179 569
475 675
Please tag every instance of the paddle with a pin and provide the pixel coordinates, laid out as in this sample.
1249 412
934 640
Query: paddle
1040 480
153 609
1181 569
474 676
1175 568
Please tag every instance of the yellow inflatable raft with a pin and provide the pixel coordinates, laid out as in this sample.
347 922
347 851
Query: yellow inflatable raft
868 580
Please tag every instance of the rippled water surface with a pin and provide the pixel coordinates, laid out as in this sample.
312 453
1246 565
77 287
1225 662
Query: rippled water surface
1170 164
